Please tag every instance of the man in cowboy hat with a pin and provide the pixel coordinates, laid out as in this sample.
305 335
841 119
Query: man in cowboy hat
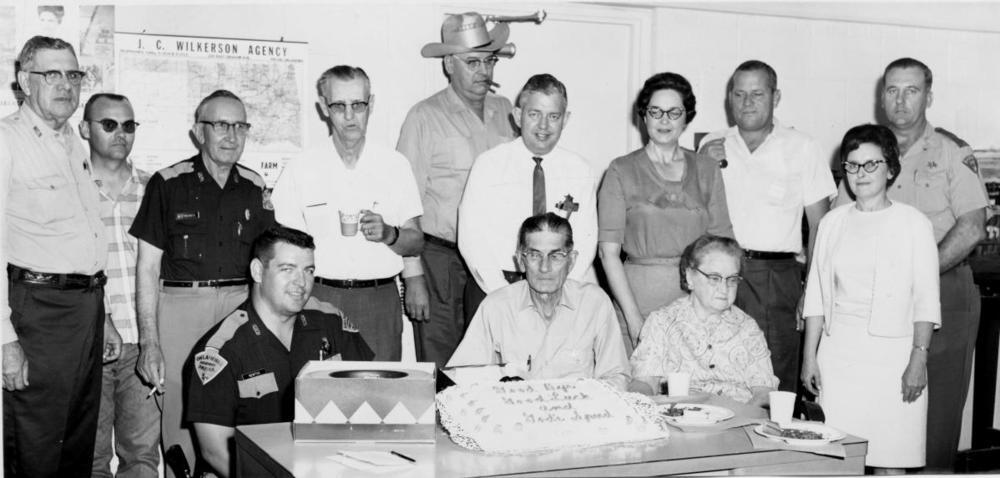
441 137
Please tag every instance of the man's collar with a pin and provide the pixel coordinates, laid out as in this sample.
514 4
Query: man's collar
39 124
455 104
569 298
205 175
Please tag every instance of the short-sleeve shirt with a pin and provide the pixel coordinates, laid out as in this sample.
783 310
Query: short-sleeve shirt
768 189
939 176
256 382
52 209
441 137
652 217
205 232
312 189
726 355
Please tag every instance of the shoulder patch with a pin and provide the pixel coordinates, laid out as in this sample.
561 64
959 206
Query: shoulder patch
227 329
267 204
954 139
177 169
971 163
208 363
348 326
247 173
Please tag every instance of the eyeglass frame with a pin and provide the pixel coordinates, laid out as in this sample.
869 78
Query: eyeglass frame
51 78
557 257
125 125
241 128
848 165
715 280
340 107
474 63
673 114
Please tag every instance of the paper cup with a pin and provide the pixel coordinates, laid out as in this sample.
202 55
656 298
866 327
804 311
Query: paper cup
678 384
782 405
349 222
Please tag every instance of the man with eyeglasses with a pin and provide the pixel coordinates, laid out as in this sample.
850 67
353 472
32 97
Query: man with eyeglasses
56 248
547 326
772 174
195 228
441 136
109 127
940 177
356 272
529 175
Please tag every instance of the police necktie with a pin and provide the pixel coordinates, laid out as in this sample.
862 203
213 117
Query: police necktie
538 188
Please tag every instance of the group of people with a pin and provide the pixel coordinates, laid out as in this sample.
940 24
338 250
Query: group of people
199 292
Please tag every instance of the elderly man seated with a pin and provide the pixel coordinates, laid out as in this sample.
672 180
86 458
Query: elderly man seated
547 326
704 334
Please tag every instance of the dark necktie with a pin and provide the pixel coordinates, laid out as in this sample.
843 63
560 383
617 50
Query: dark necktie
538 188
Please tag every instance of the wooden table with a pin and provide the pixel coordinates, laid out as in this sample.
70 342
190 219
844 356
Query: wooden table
268 450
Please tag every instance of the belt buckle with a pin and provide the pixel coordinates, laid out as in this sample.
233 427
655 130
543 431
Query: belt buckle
350 283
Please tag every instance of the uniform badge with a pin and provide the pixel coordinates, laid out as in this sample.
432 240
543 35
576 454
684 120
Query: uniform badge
971 163
347 325
208 364
266 194
568 205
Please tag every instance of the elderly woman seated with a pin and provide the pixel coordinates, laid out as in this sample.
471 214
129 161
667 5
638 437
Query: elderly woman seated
704 334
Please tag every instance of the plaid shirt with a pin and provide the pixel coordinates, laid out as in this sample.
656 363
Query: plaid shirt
118 214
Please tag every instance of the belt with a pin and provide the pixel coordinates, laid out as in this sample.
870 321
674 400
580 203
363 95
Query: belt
355 284
204 283
653 261
512 276
56 281
437 241
767 255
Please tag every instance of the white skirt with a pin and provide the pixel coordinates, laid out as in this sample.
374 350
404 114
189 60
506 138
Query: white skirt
861 394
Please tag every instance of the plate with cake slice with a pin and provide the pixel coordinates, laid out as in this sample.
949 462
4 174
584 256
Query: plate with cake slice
694 413
800 433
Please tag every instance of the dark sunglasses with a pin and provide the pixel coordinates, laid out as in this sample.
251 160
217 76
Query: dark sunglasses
110 125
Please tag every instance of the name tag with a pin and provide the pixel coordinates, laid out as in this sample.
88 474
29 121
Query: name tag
257 385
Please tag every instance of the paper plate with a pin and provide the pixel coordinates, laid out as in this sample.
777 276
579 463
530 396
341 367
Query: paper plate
696 413
829 434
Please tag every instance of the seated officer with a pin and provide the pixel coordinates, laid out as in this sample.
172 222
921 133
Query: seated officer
244 368
547 326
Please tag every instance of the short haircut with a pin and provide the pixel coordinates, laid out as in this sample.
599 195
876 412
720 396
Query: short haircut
99 96
38 42
214 95
695 252
263 245
343 73
666 81
543 83
878 135
907 62
549 221
755 65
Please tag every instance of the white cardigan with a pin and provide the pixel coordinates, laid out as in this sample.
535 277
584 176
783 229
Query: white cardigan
906 272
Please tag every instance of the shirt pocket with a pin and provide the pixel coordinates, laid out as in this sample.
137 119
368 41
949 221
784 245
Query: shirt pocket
456 154
188 236
45 200
320 218
931 191
257 387
573 362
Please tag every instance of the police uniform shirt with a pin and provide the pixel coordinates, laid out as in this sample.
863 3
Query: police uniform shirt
242 375
939 176
205 232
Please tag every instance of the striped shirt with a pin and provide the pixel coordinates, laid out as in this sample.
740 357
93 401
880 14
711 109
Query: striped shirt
117 215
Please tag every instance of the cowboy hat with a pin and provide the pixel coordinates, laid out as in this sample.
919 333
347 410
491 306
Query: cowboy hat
467 32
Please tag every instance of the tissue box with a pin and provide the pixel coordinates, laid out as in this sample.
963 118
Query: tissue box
365 401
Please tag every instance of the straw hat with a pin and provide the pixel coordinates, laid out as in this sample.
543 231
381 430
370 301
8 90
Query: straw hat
467 32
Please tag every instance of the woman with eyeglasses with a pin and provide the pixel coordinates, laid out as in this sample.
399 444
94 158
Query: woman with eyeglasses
704 334
871 304
655 201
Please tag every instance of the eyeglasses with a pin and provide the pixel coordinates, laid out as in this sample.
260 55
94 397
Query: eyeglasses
223 127
672 113
556 258
870 166
475 63
74 77
341 108
109 125
715 280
